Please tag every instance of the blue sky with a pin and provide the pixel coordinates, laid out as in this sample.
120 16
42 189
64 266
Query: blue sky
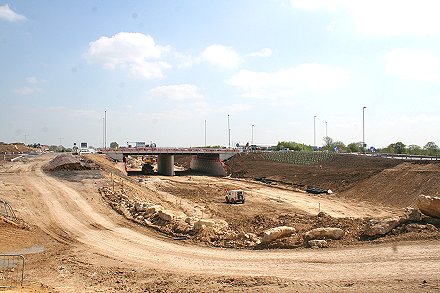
161 68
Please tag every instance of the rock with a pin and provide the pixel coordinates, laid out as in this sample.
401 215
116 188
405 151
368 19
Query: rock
217 224
191 220
169 215
324 233
429 206
414 227
329 191
140 207
382 227
317 243
277 233
154 209
410 215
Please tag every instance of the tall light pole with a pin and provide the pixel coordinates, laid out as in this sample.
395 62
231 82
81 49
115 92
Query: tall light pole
105 129
229 134
314 132
103 132
252 138
363 129
205 133
326 134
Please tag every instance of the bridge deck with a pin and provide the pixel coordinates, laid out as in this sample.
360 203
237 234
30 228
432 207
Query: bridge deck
169 151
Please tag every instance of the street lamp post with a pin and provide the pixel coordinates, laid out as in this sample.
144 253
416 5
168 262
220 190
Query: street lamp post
205 133
229 133
314 132
363 129
252 139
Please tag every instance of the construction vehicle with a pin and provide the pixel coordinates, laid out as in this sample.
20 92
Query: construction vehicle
235 196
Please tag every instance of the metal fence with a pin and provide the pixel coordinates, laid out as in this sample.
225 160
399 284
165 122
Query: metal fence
11 270
6 210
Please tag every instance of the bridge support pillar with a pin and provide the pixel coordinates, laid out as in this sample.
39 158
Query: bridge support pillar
165 165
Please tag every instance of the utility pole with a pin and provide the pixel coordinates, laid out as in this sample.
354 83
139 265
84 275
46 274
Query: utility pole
60 138
363 129
25 139
252 140
229 133
314 132
326 134
205 133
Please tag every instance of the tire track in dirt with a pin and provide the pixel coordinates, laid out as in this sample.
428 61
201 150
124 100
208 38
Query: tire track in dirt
64 212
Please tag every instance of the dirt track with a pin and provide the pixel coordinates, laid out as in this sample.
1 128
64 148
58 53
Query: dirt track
86 225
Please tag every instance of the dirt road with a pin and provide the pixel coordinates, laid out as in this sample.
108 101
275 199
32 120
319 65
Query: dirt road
302 201
68 216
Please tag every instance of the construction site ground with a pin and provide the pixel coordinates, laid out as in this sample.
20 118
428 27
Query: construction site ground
77 237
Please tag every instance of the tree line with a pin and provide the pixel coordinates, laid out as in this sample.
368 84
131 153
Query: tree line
429 149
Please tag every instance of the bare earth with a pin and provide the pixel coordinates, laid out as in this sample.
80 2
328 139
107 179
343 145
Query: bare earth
88 247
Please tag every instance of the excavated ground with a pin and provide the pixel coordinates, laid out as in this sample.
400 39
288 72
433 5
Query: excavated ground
67 214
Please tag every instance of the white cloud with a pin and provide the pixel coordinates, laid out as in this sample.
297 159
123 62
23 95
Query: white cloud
219 55
383 18
265 52
27 90
34 80
8 14
413 65
30 89
179 92
135 52
290 82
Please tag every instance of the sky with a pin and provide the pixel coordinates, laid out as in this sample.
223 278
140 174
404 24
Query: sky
159 69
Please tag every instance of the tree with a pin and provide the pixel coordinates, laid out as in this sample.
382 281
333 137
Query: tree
114 145
338 145
291 145
431 148
355 147
53 148
414 149
397 147
328 142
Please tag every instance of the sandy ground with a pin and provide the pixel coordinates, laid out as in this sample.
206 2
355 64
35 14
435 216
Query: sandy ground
88 247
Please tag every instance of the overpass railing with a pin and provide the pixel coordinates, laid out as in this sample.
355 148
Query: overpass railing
170 150
409 157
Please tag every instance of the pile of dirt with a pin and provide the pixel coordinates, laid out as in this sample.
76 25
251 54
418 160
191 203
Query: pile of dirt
339 173
15 148
399 186
67 162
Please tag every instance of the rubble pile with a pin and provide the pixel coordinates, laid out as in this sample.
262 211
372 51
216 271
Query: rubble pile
319 231
68 162
412 220
134 162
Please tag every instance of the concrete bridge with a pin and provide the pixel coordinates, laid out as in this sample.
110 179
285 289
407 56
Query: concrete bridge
205 160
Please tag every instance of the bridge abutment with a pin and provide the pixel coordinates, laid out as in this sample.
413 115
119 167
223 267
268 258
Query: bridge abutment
209 164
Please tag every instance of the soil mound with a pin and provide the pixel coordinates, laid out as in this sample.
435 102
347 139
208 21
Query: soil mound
339 173
15 148
400 186
66 162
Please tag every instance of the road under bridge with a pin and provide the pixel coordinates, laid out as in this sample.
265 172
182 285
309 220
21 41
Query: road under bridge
205 160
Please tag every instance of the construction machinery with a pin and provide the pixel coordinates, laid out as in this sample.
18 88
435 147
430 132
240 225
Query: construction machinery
235 196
